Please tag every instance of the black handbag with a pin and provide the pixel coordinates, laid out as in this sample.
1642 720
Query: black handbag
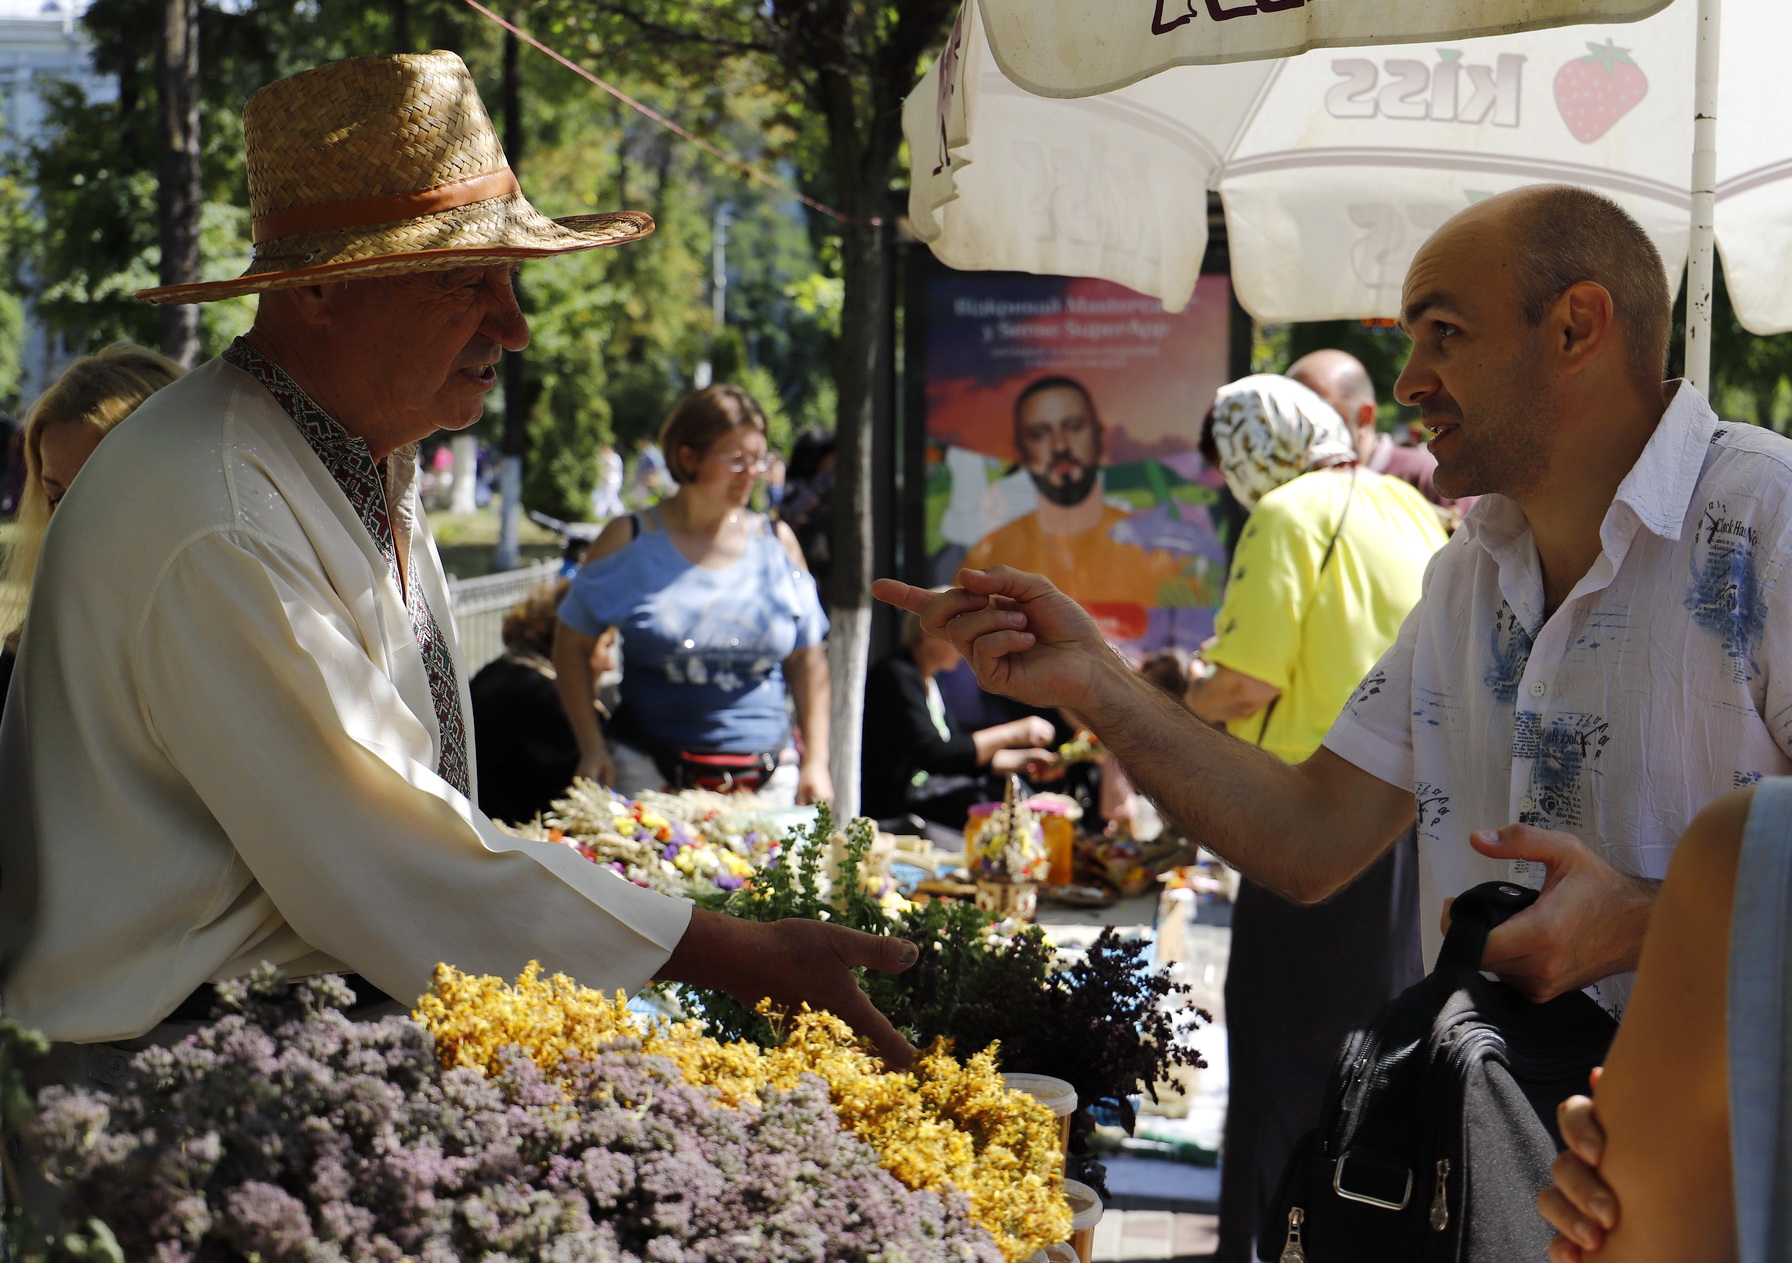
1439 1124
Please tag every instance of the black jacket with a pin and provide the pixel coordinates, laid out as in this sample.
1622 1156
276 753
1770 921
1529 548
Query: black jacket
900 738
527 753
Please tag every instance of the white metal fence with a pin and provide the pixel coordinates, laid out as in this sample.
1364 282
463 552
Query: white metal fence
480 605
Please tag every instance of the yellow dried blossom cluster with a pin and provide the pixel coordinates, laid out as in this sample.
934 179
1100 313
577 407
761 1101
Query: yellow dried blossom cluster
474 1019
943 1123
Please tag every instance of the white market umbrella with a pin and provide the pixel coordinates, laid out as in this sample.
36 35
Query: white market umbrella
1336 164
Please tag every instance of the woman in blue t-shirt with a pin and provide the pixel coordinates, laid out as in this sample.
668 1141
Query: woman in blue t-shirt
718 617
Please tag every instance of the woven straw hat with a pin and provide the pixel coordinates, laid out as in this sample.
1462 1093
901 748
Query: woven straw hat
379 165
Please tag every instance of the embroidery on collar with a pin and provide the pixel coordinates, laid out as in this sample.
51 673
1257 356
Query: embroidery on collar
351 464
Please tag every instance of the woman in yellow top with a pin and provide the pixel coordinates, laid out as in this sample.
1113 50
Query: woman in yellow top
1329 564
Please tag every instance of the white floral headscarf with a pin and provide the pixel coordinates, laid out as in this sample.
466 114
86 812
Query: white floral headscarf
1269 430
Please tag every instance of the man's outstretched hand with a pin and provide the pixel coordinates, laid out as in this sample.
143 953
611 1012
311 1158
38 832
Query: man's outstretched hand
1588 923
791 963
1023 638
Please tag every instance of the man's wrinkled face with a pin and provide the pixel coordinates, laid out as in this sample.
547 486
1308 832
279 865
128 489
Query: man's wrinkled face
423 348
1060 444
1476 368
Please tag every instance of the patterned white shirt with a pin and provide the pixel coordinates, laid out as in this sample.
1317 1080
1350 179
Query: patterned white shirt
1664 680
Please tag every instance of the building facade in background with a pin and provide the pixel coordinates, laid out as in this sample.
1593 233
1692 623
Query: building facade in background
41 42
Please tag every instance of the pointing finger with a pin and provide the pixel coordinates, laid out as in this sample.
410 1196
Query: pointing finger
904 596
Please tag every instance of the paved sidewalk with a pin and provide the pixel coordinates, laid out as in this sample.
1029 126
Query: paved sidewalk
1174 1229
1154 1236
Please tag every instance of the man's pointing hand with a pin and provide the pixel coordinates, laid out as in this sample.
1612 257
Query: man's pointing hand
1023 637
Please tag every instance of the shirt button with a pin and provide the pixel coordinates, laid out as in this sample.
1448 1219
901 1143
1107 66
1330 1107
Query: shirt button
1538 688
1527 803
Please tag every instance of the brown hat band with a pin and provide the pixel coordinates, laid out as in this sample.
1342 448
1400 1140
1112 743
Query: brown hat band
361 211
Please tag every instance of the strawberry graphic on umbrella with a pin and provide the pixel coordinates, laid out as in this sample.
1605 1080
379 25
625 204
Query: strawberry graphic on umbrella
1595 91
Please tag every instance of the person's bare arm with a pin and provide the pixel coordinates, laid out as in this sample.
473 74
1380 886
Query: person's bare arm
572 669
806 671
572 676
793 962
1029 732
617 533
1228 695
1304 830
1647 1176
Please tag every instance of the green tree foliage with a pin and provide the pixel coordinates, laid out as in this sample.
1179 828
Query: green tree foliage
93 171
1751 376
13 226
617 334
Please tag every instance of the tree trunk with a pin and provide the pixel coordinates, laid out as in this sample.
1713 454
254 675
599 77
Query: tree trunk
179 195
858 371
508 555
401 26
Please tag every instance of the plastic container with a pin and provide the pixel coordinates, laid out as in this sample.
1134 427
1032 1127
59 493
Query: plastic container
1085 1213
1060 835
1063 1252
975 821
1055 1094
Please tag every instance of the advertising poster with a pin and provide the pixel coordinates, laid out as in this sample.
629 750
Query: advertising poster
1063 421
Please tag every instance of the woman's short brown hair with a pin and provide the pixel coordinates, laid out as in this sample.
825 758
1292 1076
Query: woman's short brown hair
529 625
701 418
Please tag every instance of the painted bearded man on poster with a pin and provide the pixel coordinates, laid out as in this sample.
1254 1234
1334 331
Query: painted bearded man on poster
1059 440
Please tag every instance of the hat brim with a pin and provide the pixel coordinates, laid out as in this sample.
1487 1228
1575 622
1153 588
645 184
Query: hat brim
528 236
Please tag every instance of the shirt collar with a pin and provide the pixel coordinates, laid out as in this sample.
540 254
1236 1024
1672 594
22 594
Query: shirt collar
1659 487
381 493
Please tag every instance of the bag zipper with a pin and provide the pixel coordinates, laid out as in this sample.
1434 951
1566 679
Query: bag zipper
1454 1057
1291 1248
1440 1202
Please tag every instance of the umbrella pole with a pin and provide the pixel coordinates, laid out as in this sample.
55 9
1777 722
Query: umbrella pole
1703 245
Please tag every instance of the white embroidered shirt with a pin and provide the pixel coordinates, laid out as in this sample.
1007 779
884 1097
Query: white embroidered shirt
224 745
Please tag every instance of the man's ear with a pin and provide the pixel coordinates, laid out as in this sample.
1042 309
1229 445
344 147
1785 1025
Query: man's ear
310 303
1365 415
1584 323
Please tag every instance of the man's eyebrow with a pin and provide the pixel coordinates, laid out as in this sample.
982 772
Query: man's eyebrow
1419 306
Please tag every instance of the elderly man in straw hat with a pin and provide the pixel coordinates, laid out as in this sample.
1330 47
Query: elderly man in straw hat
239 730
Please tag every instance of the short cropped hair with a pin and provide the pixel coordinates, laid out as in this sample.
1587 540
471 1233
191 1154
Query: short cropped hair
529 624
1562 235
1168 668
701 418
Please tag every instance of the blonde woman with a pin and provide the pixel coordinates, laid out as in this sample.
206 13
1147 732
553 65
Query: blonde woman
66 423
